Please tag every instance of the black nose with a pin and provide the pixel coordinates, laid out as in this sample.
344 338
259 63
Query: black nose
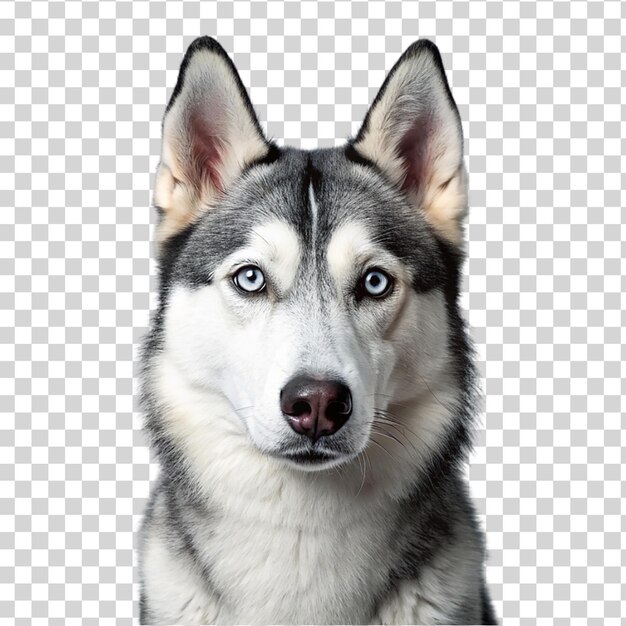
315 408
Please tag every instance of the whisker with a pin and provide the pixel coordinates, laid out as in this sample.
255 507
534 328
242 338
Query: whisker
368 461
398 425
380 445
385 433
398 420
244 408
387 395
434 449
363 481
448 407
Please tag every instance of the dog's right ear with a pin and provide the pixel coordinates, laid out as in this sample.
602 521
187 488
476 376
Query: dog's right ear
210 133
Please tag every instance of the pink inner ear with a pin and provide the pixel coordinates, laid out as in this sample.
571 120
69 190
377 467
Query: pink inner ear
416 151
205 157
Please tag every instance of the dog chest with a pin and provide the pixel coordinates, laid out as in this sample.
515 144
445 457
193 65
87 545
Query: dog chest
270 574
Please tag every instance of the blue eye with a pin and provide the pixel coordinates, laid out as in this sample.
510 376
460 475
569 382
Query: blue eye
250 278
376 283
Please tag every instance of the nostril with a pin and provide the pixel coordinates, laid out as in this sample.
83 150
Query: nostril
301 408
337 409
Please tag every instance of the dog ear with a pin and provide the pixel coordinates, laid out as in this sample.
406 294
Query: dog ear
210 133
413 133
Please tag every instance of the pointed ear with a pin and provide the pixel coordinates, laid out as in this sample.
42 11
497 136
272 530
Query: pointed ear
210 133
413 133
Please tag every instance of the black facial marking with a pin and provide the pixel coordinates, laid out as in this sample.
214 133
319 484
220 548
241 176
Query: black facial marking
352 154
273 154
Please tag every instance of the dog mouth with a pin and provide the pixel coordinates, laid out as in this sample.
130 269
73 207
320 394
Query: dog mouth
310 457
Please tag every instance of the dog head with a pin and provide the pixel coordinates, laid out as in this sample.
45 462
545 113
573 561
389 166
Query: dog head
308 298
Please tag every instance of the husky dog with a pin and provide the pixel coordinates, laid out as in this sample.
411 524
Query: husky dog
307 380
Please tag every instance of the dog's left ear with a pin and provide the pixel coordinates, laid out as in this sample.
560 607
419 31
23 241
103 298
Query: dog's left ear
413 133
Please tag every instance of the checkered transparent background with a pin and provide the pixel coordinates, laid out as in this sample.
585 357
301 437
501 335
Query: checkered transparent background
540 89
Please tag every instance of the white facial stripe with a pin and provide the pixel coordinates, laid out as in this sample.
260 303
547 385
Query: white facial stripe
314 213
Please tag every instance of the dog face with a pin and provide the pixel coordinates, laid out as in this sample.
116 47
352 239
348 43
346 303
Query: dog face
307 294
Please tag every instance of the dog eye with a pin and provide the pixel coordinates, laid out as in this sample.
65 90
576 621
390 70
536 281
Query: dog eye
250 278
376 283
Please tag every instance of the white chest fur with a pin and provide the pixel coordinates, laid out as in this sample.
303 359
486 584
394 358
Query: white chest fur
268 573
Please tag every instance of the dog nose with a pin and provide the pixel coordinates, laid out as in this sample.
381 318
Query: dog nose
315 408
